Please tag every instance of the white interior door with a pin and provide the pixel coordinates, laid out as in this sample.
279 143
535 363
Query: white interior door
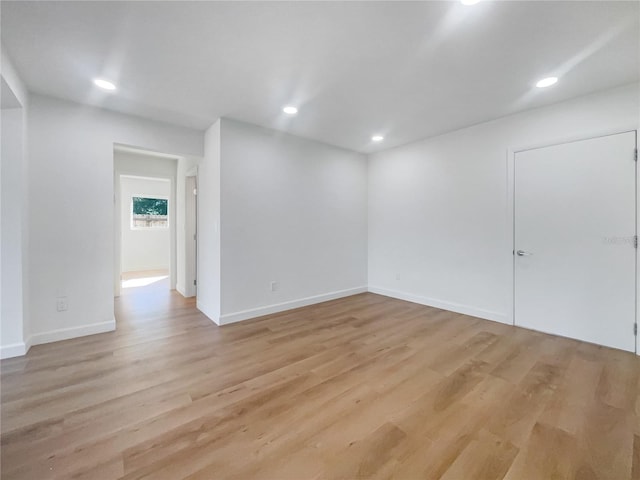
575 222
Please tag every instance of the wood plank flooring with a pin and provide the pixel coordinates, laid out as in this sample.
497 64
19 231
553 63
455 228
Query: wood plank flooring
361 387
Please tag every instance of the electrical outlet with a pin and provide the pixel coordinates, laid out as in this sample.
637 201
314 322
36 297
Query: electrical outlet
274 286
62 304
397 276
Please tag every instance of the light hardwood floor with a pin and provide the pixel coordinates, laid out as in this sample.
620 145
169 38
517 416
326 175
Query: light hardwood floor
362 387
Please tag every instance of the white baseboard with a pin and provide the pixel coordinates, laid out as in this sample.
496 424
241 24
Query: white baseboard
180 290
281 307
73 332
444 305
185 292
13 350
208 312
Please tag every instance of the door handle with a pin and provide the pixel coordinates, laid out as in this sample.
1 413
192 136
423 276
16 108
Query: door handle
522 253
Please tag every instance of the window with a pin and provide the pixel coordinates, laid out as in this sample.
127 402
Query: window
149 212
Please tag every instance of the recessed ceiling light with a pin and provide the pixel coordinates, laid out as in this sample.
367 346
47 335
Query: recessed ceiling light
105 84
469 2
377 138
546 82
289 110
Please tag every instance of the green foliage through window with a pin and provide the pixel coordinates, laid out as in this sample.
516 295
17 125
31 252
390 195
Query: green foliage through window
149 206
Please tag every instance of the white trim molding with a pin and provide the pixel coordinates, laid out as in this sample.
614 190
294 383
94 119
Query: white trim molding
73 332
290 305
183 291
14 350
444 305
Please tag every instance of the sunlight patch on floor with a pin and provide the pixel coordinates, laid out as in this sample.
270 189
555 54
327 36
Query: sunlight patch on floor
142 282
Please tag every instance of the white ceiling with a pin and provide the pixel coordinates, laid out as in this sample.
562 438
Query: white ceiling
407 70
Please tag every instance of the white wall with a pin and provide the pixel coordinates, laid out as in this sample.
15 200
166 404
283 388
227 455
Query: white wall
14 237
274 207
439 216
293 211
71 176
143 249
208 300
11 307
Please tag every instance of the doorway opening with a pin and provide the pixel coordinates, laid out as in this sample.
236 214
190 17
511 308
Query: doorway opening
154 223
145 252
145 211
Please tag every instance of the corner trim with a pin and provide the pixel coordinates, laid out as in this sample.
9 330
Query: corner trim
444 305
73 332
13 350
290 305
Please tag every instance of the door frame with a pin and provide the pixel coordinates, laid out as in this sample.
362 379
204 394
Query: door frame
191 244
510 213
